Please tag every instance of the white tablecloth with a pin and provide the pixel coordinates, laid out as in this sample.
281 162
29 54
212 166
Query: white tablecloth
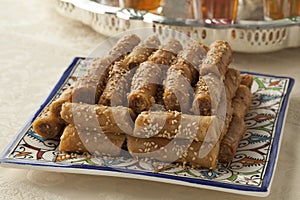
37 46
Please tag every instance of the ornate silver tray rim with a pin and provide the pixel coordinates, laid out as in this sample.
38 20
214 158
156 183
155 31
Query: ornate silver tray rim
132 14
244 35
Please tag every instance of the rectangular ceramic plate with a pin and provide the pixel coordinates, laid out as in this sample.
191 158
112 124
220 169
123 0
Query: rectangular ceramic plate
250 172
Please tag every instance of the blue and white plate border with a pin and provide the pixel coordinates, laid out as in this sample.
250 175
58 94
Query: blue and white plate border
264 190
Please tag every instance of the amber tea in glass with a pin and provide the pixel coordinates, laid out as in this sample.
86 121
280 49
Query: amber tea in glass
215 9
294 7
275 9
140 4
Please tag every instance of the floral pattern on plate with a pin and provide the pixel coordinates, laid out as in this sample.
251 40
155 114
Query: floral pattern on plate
252 166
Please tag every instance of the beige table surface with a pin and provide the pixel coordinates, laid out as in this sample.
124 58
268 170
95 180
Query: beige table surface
37 44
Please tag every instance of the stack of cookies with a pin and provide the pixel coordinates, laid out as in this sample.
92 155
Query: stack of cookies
159 101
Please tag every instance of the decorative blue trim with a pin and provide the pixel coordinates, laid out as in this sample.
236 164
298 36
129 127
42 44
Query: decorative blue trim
27 125
267 177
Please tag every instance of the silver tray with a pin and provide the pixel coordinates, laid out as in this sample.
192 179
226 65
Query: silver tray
244 35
